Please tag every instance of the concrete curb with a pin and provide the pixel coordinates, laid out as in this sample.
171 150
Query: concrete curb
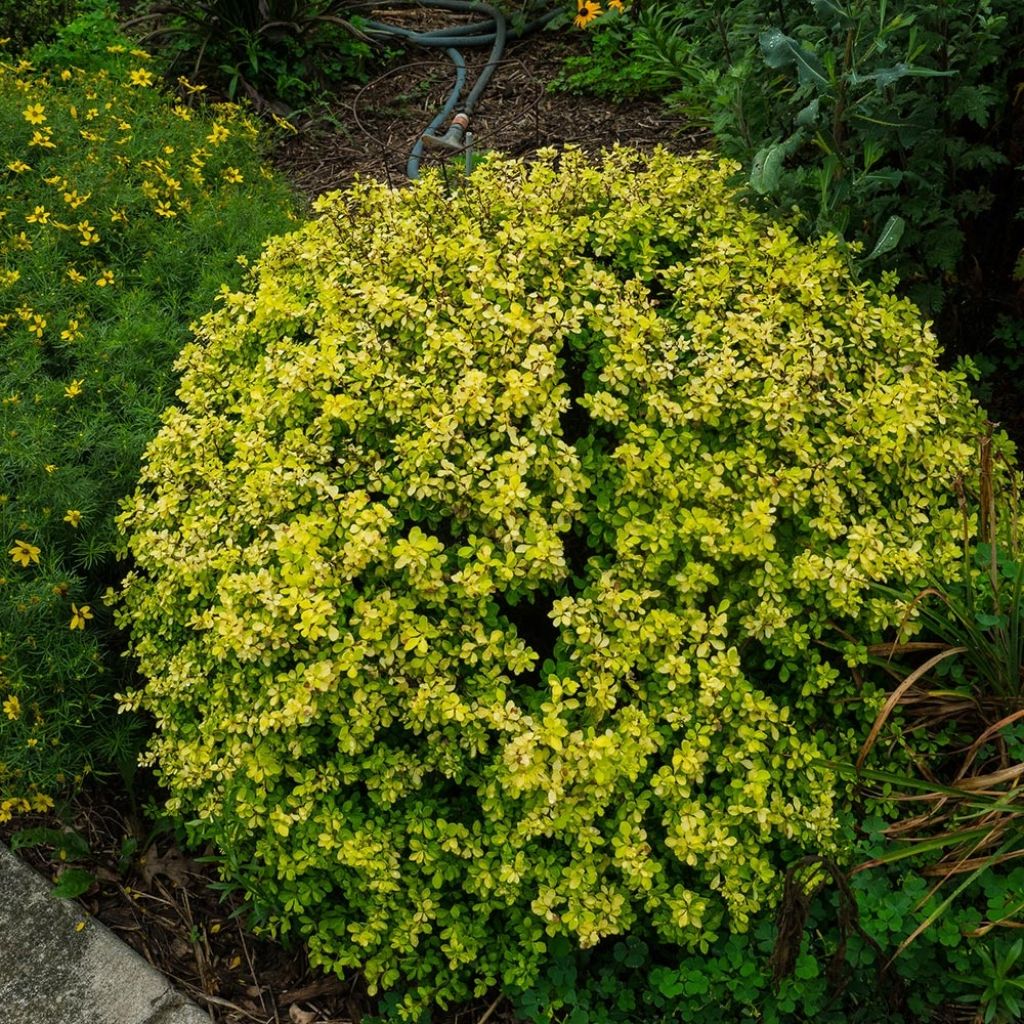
58 966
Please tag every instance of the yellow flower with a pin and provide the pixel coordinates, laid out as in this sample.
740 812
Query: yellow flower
616 5
140 76
37 326
107 277
42 138
234 175
188 86
12 708
88 233
74 199
65 75
118 216
282 123
24 553
50 468
38 216
19 167
71 333
218 134
587 11
75 276
73 516
116 48
79 616
73 390
165 209
34 113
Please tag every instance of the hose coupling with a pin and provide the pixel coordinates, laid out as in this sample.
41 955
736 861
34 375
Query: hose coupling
452 139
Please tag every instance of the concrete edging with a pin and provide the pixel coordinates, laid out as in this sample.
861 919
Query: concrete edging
59 966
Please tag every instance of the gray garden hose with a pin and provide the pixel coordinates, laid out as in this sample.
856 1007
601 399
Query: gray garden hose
491 31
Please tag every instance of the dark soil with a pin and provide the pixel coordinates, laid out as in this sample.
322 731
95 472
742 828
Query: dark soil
369 130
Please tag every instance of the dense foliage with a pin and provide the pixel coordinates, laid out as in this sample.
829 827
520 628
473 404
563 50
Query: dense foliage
893 122
487 570
121 213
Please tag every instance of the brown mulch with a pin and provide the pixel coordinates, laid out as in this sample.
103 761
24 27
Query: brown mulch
369 130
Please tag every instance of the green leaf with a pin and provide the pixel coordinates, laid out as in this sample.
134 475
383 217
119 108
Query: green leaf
809 114
73 882
766 170
889 238
781 50
71 844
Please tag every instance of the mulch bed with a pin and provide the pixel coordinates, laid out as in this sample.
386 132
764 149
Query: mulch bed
158 899
369 130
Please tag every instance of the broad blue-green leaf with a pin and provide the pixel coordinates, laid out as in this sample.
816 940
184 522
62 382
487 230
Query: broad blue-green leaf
889 238
885 77
780 51
766 170
809 114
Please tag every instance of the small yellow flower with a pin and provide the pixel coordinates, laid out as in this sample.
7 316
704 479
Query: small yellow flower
116 48
587 11
234 175
141 77
71 332
88 233
12 708
50 468
24 553
75 276
31 742
38 216
616 5
73 516
65 75
79 616
37 326
42 138
74 199
73 390
218 134
106 278
19 167
188 86
34 113
164 209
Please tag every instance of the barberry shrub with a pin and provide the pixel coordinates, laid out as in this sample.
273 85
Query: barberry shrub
122 211
492 571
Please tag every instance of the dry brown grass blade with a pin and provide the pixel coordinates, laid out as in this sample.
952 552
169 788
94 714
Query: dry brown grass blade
911 647
982 783
991 731
894 697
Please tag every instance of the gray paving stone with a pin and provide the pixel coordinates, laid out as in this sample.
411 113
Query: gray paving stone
53 971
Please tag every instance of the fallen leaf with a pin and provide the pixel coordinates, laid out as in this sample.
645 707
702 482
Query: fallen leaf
297 1016
173 865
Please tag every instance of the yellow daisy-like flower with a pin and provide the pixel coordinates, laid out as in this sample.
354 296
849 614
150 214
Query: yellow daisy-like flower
587 11
18 166
616 5
76 277
79 616
106 278
39 215
65 75
73 390
38 325
234 175
73 516
34 113
41 138
24 553
74 199
12 708
88 233
71 332
218 134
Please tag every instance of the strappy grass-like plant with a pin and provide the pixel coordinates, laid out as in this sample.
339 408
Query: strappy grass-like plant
968 697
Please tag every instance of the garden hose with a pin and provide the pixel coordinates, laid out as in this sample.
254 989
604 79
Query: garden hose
491 31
